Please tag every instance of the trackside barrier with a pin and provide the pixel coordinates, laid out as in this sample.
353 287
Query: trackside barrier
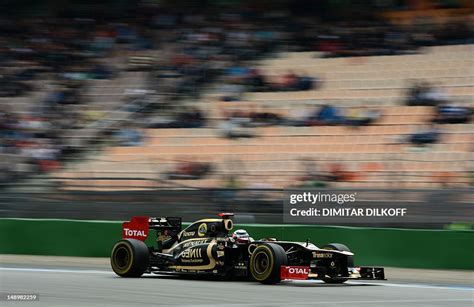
433 249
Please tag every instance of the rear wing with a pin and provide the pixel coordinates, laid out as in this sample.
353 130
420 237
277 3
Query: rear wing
138 227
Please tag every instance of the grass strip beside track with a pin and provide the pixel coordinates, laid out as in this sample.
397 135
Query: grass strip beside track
411 248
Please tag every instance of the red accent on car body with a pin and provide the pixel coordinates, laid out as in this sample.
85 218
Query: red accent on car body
225 214
294 272
137 228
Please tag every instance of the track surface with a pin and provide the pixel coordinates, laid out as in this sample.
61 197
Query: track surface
89 282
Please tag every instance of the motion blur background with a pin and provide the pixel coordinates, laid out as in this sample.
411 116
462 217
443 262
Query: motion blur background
188 108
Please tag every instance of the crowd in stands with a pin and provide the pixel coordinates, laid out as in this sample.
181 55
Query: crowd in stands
240 79
38 136
31 137
187 118
13 85
236 123
331 115
205 47
447 112
61 55
317 175
376 38
196 49
189 170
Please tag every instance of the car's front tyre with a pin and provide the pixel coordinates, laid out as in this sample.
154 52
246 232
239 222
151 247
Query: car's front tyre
266 261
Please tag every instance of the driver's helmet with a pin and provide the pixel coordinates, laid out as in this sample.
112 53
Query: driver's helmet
241 236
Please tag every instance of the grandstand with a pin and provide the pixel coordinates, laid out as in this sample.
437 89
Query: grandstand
104 99
375 155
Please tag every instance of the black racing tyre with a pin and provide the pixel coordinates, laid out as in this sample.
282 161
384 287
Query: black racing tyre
350 261
265 263
129 258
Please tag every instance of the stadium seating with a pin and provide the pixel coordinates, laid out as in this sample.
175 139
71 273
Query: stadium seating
374 156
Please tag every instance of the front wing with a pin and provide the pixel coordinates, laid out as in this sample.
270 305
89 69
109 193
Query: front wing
304 272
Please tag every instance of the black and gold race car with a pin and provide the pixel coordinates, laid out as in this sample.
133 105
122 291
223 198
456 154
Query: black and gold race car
207 247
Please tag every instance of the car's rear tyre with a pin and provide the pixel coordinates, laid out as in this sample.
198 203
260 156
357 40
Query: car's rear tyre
129 258
266 261
350 261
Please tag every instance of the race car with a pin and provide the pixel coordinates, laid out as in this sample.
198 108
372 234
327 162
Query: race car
207 247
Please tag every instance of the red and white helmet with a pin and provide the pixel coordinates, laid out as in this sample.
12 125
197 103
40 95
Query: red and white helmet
241 236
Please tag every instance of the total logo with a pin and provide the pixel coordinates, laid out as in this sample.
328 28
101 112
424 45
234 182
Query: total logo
134 232
298 271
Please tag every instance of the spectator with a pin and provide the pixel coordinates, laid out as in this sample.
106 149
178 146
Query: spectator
189 171
298 117
129 136
256 81
429 135
191 118
234 128
306 83
361 117
450 113
312 175
338 173
289 81
424 94
101 72
232 92
327 115
433 95
264 119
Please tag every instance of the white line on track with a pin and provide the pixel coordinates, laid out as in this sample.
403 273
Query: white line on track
420 286
385 284
349 302
401 285
39 270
